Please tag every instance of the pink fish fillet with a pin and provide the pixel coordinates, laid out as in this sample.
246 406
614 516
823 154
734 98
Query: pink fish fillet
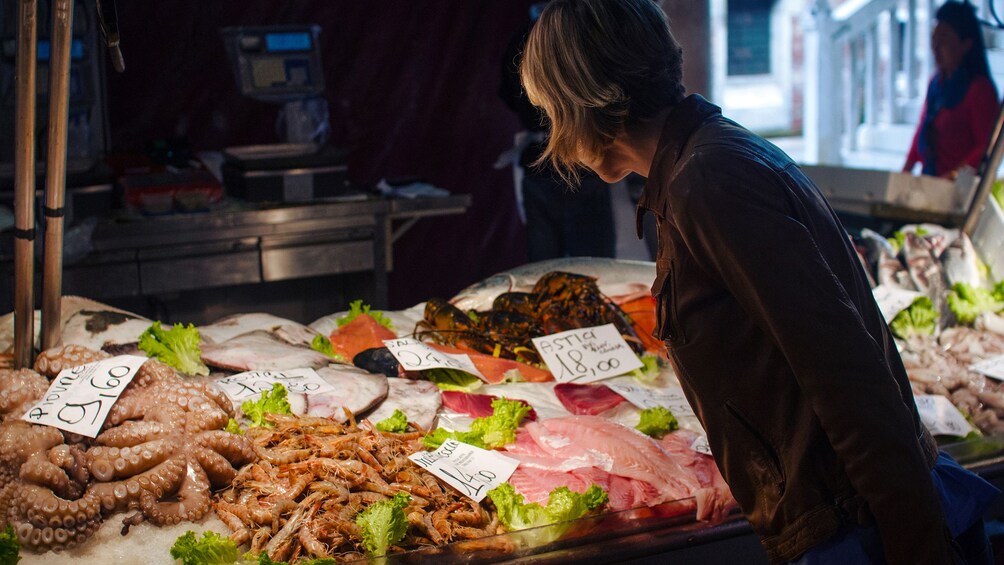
617 450
714 499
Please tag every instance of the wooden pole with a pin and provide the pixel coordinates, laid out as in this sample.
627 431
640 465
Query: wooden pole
24 184
55 170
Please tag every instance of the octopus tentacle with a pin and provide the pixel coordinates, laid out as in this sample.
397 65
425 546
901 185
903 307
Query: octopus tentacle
125 494
52 361
208 419
114 463
237 449
218 470
132 432
192 503
38 470
19 389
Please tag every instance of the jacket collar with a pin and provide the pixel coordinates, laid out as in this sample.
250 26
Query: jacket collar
681 122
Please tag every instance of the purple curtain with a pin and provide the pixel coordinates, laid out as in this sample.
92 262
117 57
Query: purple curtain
411 88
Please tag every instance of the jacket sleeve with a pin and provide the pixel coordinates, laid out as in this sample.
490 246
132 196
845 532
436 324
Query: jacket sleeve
738 219
981 102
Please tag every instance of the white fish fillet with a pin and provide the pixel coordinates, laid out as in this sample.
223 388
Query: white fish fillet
260 351
224 329
355 389
419 400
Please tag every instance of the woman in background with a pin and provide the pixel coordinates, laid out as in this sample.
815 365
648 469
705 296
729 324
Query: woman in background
962 103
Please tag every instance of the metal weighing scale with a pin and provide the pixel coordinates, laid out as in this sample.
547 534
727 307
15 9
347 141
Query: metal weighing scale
282 65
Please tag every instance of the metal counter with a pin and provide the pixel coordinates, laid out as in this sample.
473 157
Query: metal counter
166 254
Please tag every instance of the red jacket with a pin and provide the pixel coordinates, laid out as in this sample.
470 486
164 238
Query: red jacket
963 131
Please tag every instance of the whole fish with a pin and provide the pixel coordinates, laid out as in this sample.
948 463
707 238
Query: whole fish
961 263
925 272
892 272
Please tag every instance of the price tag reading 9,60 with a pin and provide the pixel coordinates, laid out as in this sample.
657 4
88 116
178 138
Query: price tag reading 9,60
471 470
587 355
250 384
413 355
79 398
941 416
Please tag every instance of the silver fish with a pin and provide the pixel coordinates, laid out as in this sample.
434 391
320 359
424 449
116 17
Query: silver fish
260 351
355 389
961 264
891 271
230 327
419 400
925 272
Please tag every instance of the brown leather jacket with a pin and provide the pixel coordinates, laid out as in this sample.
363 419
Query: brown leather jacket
780 347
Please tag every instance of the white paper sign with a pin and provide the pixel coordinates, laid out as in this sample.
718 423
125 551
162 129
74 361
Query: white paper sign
471 470
993 368
250 385
645 397
701 445
587 355
79 398
414 355
891 300
941 416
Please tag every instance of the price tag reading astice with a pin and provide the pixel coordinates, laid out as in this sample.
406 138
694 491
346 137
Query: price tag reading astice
587 355
891 300
993 368
79 398
413 355
644 397
941 416
251 384
471 470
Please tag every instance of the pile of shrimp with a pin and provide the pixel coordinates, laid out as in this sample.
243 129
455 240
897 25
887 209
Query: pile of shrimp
940 365
300 500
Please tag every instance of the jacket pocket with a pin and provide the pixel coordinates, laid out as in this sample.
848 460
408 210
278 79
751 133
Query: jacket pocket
667 329
764 460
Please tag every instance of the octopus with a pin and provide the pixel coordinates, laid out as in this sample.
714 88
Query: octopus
160 452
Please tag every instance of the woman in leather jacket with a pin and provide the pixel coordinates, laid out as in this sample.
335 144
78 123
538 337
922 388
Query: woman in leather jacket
768 316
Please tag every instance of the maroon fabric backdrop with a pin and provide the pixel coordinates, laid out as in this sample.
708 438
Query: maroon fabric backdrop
412 90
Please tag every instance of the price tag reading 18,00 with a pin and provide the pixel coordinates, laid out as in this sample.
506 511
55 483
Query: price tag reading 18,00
79 398
941 416
586 355
250 384
471 470
413 355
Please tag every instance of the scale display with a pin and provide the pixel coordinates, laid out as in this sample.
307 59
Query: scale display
275 63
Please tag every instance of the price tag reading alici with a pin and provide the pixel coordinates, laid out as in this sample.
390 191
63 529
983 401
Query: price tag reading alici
586 355
413 355
79 398
941 416
644 397
891 300
251 384
993 368
471 470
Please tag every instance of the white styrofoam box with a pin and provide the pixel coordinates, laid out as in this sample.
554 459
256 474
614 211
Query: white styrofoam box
988 238
857 189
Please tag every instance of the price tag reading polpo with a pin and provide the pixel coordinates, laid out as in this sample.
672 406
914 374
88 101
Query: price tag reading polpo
471 470
413 355
79 398
251 384
941 416
891 300
993 368
586 355
643 397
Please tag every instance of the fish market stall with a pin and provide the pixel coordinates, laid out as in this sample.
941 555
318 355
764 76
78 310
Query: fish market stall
208 452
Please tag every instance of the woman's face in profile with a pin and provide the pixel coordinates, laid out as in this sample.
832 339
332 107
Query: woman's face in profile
949 49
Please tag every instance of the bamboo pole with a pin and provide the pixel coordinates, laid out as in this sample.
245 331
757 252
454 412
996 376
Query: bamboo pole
24 183
55 170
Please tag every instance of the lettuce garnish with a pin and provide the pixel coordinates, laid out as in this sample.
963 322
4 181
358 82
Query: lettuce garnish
177 347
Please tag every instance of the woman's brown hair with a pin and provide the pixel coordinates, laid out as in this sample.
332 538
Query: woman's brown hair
596 67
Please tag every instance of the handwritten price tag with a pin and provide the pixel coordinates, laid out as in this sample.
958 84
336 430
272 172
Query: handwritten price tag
471 470
79 398
249 385
587 355
993 368
414 355
891 300
941 416
644 397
